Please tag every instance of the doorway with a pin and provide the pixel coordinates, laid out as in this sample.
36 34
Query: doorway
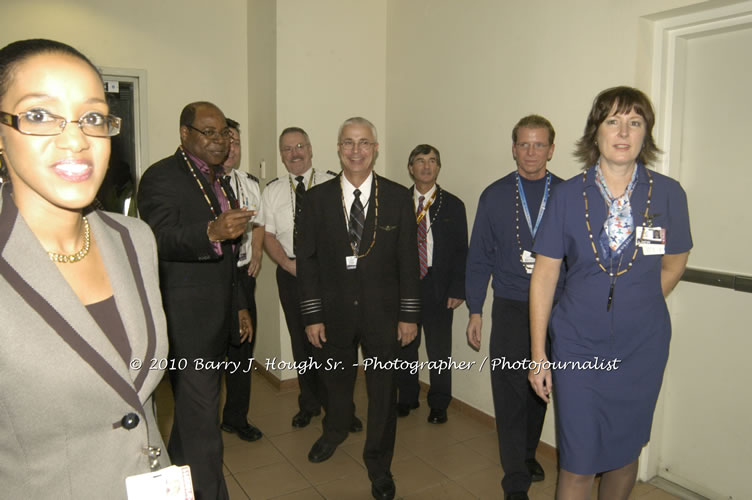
125 94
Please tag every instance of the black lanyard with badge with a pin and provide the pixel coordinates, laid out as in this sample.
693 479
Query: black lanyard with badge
351 261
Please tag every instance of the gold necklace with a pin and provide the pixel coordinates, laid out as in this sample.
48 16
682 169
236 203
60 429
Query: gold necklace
70 259
435 212
201 186
419 216
645 216
611 274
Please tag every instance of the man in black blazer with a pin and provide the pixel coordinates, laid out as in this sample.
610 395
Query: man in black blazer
442 252
358 281
181 198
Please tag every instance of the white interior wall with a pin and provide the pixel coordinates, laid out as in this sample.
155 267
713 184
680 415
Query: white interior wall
261 132
183 45
331 65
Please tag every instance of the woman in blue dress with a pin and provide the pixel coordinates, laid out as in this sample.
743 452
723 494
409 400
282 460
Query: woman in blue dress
624 232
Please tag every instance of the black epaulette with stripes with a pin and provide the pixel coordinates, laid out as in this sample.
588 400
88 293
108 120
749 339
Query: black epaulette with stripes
273 180
253 177
332 173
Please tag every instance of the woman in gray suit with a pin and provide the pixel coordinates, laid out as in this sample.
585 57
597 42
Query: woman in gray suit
82 330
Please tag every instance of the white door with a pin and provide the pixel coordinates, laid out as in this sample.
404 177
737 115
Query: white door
705 439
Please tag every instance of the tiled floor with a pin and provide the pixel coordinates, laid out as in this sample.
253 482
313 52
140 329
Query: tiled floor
454 461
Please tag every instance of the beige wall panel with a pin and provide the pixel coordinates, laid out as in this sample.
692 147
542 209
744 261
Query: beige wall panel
191 50
705 443
715 168
331 65
261 132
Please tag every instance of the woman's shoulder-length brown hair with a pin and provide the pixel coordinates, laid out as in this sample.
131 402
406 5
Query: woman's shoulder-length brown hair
623 99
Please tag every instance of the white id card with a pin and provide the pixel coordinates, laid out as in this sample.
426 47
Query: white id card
528 261
170 483
351 261
652 240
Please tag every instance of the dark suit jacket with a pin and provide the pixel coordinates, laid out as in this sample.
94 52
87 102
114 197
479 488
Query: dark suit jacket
383 289
65 388
199 288
448 225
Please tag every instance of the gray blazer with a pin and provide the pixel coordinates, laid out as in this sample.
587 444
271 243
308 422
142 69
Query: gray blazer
64 389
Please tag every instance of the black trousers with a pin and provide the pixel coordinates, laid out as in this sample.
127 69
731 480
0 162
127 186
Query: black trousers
519 411
238 384
311 397
381 386
436 324
195 439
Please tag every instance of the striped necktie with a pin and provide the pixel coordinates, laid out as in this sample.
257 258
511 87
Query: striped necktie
299 191
422 239
357 220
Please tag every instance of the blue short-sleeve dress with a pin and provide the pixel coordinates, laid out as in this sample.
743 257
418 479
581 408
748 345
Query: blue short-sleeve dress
605 407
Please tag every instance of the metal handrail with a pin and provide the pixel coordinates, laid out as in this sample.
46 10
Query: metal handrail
735 282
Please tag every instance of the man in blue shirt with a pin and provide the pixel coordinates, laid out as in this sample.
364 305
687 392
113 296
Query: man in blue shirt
509 213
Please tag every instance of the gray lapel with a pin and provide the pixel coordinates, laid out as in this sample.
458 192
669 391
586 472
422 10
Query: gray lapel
26 266
126 278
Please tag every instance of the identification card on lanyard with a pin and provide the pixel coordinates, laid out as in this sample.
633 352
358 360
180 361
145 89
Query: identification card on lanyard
528 261
172 482
651 239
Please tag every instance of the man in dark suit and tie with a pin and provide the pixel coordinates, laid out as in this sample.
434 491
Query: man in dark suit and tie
182 199
442 252
359 285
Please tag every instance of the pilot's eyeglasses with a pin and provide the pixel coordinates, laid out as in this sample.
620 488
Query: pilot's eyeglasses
289 149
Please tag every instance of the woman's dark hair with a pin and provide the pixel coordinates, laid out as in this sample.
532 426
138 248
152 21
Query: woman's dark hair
14 53
4 177
620 100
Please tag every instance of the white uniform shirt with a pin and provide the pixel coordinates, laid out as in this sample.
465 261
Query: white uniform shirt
247 192
429 234
278 205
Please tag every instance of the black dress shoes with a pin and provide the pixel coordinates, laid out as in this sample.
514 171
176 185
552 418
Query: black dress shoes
246 433
403 409
516 495
383 489
321 451
535 470
356 425
303 418
437 416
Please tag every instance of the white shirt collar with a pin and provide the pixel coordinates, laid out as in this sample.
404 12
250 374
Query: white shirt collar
306 177
349 197
417 195
365 188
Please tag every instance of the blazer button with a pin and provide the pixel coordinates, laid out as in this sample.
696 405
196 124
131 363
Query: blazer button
130 421
355 302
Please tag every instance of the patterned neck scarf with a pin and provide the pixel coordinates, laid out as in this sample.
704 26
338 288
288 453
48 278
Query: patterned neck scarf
619 226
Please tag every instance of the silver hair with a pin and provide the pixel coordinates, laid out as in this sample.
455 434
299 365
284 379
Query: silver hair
358 120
